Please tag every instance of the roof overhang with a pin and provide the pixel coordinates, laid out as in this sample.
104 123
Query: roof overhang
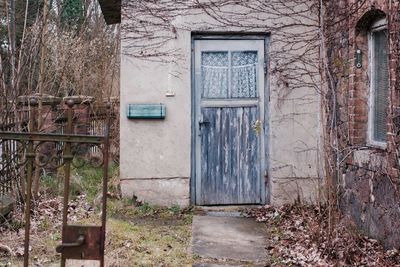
111 11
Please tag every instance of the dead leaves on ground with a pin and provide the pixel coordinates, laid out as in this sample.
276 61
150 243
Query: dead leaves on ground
299 236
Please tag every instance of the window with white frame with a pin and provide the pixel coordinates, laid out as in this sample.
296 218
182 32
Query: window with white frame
379 86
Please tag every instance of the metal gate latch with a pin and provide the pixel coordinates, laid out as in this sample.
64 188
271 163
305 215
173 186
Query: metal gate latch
79 242
82 243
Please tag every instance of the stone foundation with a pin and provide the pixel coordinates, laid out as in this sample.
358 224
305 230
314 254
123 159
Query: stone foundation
158 191
373 203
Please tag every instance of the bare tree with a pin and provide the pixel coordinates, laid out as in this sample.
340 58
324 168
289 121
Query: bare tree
59 48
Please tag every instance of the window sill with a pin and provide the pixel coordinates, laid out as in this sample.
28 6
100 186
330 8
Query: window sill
377 145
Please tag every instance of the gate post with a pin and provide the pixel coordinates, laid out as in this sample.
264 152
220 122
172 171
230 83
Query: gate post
105 182
30 156
67 169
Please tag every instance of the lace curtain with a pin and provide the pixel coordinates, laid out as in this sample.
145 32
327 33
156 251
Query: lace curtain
215 68
215 72
244 74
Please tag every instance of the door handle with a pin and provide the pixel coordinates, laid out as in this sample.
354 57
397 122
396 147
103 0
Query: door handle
203 123
79 242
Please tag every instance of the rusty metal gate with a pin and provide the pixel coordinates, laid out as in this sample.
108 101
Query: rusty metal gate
78 242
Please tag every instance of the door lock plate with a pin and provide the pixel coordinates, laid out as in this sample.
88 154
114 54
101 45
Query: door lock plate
81 243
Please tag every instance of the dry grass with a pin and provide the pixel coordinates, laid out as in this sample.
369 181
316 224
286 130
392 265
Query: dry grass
136 236
148 236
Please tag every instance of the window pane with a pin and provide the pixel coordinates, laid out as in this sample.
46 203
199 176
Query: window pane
244 74
381 84
214 74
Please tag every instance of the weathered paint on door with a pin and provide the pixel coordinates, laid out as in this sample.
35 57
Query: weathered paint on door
229 121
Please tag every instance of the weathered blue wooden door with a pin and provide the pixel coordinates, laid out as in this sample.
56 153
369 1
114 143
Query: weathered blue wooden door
229 121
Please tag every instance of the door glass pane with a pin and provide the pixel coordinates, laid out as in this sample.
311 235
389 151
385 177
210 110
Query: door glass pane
381 84
244 74
214 74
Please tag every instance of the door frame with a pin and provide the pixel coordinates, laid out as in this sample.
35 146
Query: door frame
265 184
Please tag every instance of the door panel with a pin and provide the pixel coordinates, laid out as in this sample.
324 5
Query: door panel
230 168
229 80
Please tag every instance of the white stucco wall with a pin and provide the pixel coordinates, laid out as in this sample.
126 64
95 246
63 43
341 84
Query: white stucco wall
156 154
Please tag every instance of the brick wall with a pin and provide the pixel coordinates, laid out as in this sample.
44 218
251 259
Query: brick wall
89 118
369 175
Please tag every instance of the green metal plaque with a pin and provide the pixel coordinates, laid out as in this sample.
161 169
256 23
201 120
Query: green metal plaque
145 111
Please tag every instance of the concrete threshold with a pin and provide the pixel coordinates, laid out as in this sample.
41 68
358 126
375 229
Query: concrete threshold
224 211
227 207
